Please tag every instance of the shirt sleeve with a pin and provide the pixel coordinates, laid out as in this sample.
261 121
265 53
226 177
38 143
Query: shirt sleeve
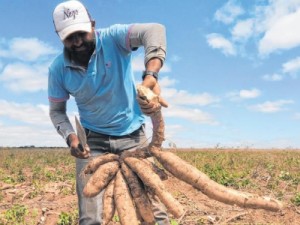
120 34
56 91
152 36
59 118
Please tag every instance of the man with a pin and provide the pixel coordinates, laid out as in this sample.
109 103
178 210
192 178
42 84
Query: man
95 68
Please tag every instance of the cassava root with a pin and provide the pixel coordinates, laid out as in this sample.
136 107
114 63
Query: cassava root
108 203
139 194
124 203
130 178
153 181
101 178
93 164
189 174
212 189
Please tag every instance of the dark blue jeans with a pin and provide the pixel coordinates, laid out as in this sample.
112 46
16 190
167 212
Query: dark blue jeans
90 209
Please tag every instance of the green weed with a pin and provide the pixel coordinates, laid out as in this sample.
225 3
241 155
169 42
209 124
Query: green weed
16 215
8 180
285 175
68 218
296 199
218 174
174 222
21 177
50 175
116 218
246 168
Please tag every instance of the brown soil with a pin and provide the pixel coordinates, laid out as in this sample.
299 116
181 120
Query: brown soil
199 208
202 210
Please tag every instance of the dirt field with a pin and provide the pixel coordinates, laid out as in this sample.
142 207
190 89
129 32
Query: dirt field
47 206
199 208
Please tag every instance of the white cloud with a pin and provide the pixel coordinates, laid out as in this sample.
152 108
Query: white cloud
292 66
194 115
25 113
229 12
178 98
243 29
268 14
29 69
296 116
26 49
254 93
171 131
272 25
217 41
19 77
272 77
16 136
281 28
271 107
244 94
182 97
31 125
166 82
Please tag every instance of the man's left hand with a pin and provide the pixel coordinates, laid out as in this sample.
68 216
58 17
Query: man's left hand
149 100
148 107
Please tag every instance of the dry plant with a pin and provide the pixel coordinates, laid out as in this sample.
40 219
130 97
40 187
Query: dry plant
130 180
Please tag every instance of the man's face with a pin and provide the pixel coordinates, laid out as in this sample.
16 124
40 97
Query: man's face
79 42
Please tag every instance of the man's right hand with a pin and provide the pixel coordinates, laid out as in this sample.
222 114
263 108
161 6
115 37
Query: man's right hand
76 149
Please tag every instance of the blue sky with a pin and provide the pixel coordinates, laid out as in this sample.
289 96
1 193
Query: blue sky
231 75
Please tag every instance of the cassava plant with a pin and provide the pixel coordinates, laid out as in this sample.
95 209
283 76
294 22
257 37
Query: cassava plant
131 180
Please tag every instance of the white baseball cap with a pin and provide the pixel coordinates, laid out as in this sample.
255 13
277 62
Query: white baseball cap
69 17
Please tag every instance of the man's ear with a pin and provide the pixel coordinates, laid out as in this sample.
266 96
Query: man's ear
93 23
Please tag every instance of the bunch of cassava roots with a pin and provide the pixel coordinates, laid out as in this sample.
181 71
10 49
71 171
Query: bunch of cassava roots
130 179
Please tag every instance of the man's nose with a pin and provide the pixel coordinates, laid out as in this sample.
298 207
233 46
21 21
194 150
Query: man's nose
76 39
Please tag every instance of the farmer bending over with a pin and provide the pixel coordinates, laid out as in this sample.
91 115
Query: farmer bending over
95 68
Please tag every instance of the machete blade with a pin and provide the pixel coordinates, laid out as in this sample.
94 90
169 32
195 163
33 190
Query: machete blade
80 132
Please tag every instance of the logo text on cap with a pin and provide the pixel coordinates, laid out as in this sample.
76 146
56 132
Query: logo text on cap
68 13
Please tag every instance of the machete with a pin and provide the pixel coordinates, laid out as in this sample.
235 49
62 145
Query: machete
80 133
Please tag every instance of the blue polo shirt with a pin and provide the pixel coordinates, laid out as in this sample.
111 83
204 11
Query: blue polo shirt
105 92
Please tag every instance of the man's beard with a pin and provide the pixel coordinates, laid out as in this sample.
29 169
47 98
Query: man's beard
82 57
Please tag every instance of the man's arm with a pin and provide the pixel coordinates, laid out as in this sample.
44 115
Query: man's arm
59 118
153 38
153 65
62 124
